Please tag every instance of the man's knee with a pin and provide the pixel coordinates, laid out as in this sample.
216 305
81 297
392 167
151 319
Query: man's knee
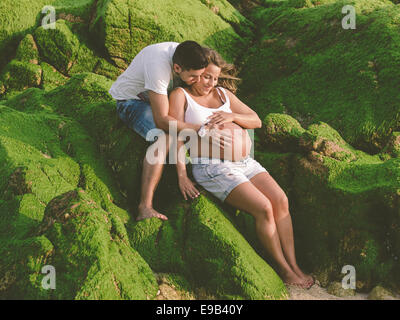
158 150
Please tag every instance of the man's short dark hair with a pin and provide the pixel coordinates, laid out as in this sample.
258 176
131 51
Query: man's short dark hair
190 55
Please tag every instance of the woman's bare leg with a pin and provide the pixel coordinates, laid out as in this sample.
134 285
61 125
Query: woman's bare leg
280 204
248 198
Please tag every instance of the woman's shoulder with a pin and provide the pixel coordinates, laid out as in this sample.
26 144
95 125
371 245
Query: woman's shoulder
177 97
177 92
227 91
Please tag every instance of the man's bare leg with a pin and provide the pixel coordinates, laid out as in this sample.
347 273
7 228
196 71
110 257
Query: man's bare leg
151 176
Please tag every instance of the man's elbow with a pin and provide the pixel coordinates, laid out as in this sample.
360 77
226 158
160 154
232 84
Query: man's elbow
162 123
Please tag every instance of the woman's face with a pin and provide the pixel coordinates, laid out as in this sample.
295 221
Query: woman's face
208 79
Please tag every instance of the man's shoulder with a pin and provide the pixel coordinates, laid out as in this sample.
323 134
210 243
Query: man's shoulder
161 46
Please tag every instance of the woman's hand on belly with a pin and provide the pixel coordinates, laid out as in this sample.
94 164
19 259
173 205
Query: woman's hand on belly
238 147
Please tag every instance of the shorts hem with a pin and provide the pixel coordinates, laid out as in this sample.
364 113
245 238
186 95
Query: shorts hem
231 187
257 172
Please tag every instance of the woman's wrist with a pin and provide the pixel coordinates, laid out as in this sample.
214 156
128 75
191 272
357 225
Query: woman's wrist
196 127
235 116
182 173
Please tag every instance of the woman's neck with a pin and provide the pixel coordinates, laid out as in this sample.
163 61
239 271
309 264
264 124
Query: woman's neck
196 93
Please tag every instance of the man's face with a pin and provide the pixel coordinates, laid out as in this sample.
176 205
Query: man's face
189 76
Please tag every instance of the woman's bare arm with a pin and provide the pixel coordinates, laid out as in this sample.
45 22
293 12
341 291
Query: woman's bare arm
162 116
244 116
177 103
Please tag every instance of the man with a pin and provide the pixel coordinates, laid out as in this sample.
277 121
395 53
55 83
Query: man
142 102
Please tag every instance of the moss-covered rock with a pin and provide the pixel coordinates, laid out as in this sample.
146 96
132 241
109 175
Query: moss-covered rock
58 46
336 289
19 76
127 27
281 132
173 286
17 19
326 141
51 78
222 260
43 161
380 293
393 145
93 257
305 64
71 171
27 50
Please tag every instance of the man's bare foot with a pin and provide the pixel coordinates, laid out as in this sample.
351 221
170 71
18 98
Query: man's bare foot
148 212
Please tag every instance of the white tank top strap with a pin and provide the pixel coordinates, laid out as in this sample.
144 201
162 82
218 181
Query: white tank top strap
189 100
196 113
184 91
226 98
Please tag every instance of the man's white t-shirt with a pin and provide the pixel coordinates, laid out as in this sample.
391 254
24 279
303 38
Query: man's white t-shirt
151 69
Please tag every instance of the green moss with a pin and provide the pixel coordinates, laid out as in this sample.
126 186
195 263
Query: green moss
107 69
392 147
380 293
93 262
281 132
19 76
27 50
334 201
20 270
126 28
30 101
66 138
80 90
305 64
144 235
55 156
222 260
162 243
336 288
180 286
343 213
16 20
58 46
51 78
323 139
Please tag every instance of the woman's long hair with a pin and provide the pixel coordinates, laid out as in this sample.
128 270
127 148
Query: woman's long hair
227 79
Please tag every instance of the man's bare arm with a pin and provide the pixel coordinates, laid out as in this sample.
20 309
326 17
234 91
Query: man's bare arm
160 106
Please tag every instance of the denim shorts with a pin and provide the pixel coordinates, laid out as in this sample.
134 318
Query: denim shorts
221 177
138 116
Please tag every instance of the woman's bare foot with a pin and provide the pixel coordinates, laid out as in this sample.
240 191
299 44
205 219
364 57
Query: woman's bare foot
149 212
306 278
292 279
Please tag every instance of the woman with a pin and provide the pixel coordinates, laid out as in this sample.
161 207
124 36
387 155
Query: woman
242 182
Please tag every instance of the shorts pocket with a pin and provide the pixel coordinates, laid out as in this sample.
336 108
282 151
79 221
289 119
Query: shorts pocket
199 173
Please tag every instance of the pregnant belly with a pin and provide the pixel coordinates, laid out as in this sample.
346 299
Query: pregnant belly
240 147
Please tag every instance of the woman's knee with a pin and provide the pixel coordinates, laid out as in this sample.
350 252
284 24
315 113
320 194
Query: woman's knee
266 211
283 201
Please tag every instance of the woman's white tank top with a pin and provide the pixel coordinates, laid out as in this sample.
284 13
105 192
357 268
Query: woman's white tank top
197 114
